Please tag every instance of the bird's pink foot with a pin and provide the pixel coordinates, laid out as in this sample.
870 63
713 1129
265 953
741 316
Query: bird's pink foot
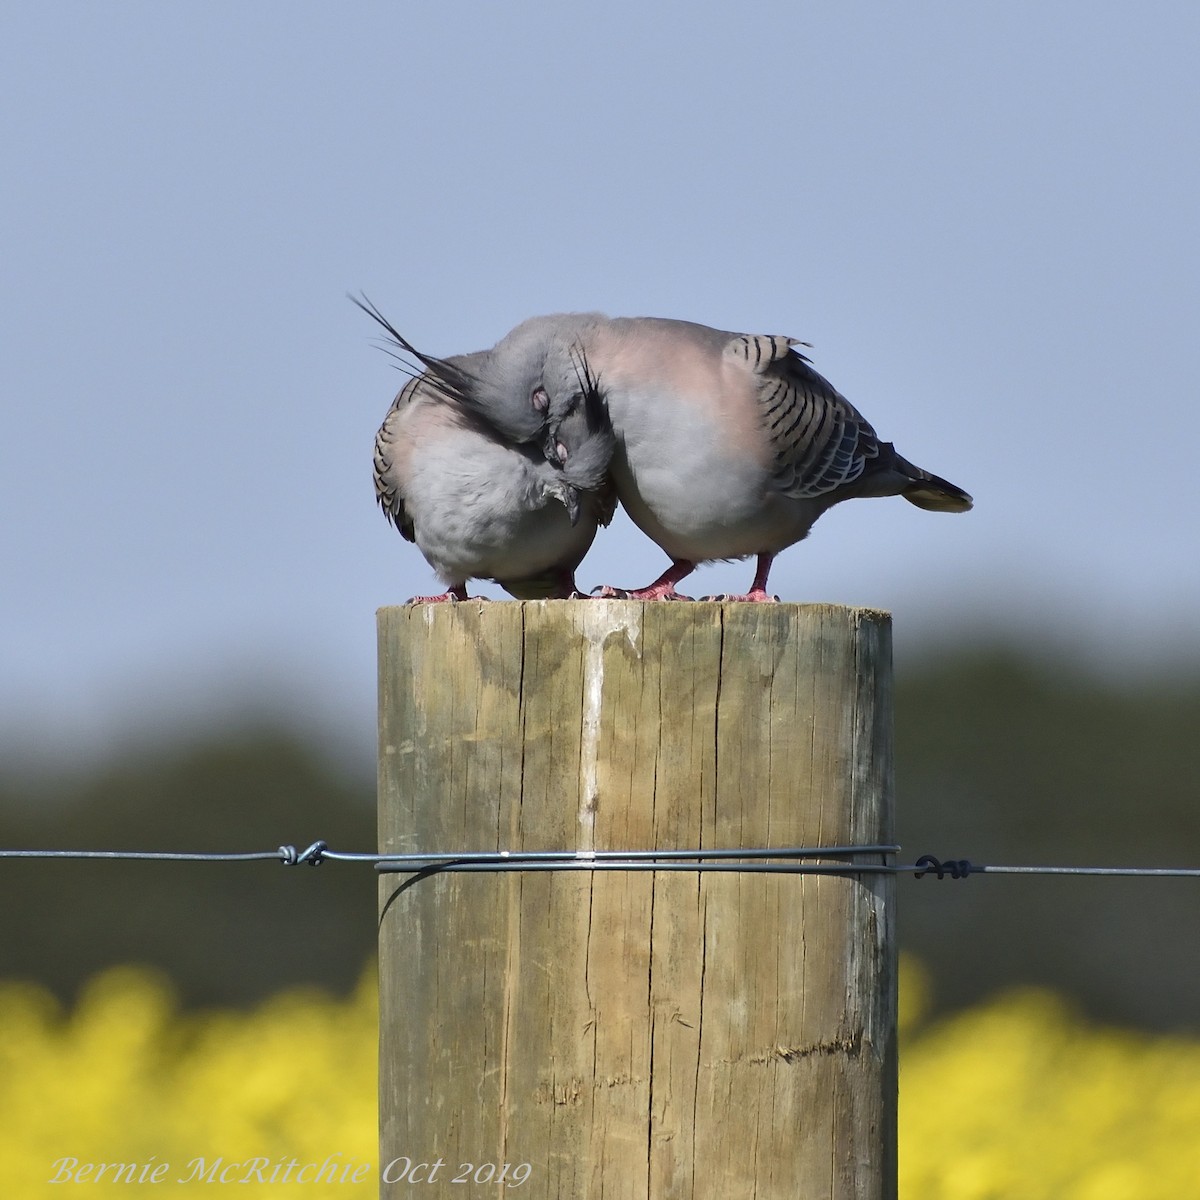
755 596
454 594
663 588
656 591
758 593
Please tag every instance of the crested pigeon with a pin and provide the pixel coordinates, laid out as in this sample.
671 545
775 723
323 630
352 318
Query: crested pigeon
480 505
728 445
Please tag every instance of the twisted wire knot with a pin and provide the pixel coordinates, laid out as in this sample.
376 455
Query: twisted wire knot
313 855
956 868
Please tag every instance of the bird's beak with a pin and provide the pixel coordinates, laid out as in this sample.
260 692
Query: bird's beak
570 501
554 451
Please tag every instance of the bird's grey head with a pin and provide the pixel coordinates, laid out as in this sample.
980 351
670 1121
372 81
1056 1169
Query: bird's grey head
579 435
536 376
578 444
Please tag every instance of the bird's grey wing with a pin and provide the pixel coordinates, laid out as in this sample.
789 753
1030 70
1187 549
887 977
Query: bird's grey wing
388 452
819 441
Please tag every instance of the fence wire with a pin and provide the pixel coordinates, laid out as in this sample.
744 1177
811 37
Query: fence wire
789 860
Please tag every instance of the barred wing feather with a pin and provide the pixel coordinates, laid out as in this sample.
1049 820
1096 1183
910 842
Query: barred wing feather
821 442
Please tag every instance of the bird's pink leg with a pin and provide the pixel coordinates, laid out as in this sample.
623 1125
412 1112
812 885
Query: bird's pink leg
758 589
457 592
663 588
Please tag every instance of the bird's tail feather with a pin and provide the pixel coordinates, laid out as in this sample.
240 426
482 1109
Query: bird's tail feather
932 491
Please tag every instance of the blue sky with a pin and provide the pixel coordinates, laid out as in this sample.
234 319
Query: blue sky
984 218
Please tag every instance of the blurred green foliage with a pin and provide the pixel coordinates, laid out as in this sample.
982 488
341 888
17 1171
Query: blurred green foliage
1006 758
1001 757
226 933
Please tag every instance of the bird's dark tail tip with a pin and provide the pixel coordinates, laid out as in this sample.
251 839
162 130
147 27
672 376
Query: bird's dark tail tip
933 492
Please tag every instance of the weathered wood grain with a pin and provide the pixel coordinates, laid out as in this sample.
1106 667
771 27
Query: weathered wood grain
637 1034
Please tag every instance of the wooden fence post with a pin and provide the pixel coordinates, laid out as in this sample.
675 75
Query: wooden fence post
636 1034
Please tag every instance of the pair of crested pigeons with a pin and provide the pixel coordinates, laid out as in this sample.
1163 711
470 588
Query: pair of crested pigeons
503 464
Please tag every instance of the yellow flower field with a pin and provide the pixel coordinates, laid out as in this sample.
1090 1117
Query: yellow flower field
1020 1099
125 1079
1016 1099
